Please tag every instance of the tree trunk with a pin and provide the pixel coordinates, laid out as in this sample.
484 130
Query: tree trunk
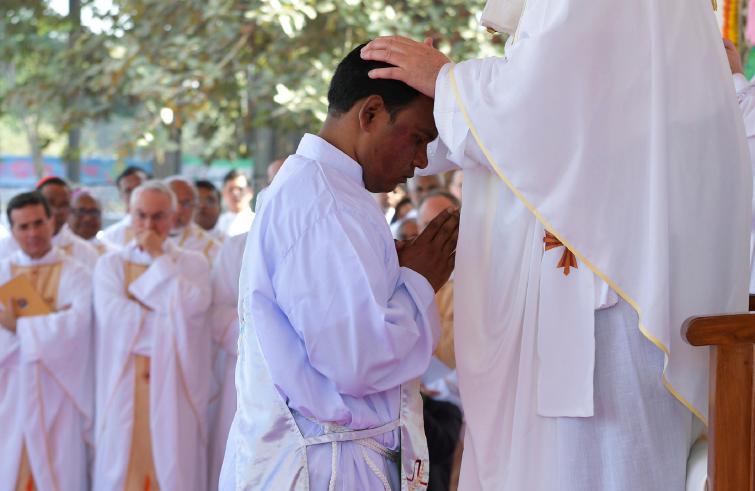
72 154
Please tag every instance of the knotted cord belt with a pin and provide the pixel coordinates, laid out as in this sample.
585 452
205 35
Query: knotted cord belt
568 259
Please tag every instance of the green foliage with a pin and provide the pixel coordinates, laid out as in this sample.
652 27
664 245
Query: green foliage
223 67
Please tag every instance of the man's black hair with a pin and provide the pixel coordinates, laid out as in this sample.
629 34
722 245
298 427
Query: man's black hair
351 83
209 186
27 199
233 174
130 171
51 180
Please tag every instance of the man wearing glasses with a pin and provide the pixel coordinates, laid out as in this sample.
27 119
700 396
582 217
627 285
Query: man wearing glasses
85 219
185 233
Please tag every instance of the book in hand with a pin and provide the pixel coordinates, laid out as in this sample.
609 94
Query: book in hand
25 301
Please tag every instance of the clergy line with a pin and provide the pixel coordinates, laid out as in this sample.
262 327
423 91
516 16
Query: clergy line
547 225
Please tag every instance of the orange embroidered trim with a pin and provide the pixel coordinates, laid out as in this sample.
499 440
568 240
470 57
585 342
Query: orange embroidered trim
568 259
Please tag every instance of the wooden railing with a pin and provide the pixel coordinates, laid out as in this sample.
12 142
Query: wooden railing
731 451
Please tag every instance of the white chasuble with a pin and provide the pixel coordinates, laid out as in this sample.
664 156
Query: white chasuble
153 354
224 317
193 238
46 379
638 165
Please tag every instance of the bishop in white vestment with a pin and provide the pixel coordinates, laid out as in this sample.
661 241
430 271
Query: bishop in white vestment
607 192
153 362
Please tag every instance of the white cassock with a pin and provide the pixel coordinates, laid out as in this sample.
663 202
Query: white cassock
46 379
746 97
100 246
341 328
76 247
118 234
638 164
3 232
224 317
235 223
152 310
193 238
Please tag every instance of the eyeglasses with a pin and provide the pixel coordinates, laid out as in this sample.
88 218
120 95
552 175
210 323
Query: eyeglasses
87 212
187 203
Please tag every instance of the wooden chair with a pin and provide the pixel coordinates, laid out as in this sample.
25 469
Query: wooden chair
731 436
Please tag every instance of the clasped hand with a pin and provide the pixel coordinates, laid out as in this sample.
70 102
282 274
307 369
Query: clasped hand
433 253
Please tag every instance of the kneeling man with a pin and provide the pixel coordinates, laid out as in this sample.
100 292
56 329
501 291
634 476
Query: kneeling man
337 321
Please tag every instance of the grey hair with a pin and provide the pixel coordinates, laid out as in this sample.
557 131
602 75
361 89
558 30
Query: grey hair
169 180
157 186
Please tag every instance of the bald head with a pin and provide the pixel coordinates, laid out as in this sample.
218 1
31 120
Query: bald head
186 199
85 219
432 205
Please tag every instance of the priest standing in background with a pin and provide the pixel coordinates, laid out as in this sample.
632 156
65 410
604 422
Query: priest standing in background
120 233
185 233
607 187
46 361
224 318
153 356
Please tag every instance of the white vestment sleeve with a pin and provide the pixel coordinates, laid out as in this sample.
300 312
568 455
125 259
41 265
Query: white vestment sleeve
361 330
152 289
62 343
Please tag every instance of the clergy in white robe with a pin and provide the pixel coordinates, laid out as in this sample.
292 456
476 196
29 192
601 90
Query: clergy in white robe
58 195
607 187
185 233
46 361
153 356
237 196
208 209
120 233
224 316
746 97
343 322
85 219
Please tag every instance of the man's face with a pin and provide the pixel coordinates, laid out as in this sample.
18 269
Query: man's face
32 229
208 209
408 230
392 149
86 216
59 198
237 194
431 208
151 211
187 203
420 186
128 184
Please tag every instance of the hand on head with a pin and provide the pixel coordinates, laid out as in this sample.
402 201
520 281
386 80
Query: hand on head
433 253
416 64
